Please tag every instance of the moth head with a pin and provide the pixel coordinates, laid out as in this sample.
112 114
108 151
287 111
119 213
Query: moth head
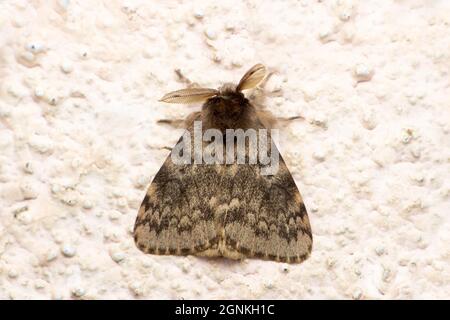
226 94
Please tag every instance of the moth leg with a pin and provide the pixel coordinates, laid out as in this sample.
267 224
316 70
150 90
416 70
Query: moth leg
286 120
181 123
262 85
259 92
182 78
259 95
175 123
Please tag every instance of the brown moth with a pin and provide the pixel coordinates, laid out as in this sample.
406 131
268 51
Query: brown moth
224 210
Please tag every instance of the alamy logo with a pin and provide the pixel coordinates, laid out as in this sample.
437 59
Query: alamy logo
241 147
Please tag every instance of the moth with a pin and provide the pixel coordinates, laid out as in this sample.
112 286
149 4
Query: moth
224 210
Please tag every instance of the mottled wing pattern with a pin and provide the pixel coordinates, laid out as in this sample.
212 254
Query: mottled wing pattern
224 210
266 217
175 216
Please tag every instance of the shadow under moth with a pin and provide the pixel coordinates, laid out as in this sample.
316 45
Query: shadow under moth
227 209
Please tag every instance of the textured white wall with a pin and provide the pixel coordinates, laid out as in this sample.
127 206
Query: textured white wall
79 84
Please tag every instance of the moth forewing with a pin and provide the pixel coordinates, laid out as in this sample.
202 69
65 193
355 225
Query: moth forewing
191 95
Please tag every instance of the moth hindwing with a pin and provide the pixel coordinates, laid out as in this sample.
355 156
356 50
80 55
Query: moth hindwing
223 209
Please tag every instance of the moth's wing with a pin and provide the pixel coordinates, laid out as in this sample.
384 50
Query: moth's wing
224 210
267 218
175 216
